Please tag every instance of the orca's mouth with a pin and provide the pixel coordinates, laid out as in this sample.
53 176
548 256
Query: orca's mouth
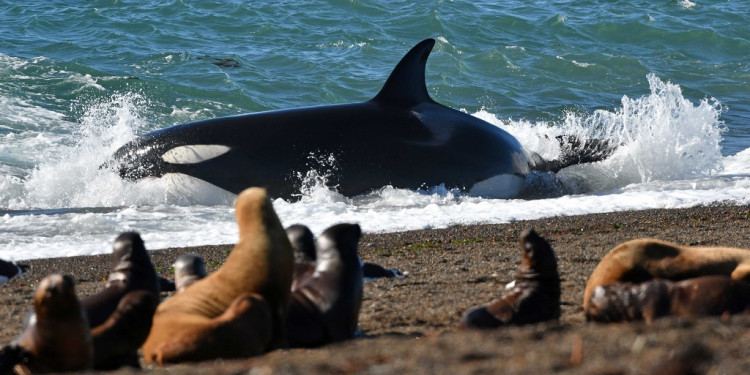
134 164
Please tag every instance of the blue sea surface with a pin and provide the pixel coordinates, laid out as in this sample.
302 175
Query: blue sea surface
669 80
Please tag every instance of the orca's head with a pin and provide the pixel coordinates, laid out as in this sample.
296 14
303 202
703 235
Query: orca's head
150 156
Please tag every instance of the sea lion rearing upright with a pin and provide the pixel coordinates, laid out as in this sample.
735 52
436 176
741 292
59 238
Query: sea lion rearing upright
641 260
57 338
325 303
534 298
120 314
239 310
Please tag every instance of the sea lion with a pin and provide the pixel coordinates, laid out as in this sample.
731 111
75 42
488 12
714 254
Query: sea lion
640 260
132 271
57 338
303 246
372 271
116 341
535 296
325 308
188 269
9 270
699 296
248 294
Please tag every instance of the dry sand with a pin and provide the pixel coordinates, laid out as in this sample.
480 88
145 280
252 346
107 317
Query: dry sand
409 325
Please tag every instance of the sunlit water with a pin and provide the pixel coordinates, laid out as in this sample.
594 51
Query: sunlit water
665 82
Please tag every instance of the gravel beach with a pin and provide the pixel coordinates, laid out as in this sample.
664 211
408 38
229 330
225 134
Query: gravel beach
409 325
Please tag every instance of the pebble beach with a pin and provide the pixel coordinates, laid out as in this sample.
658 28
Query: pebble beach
409 325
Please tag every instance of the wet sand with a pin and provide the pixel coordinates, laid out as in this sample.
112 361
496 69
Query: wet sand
409 325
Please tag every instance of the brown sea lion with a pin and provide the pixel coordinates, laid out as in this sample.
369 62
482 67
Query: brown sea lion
57 338
699 296
132 271
198 323
534 298
188 269
640 260
325 307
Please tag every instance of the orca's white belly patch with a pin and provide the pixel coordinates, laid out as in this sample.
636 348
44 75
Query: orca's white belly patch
502 186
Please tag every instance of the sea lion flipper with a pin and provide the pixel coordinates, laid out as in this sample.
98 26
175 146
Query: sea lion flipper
243 330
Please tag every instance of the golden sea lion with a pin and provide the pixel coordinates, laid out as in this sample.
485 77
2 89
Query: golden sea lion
534 298
647 301
640 260
256 278
57 338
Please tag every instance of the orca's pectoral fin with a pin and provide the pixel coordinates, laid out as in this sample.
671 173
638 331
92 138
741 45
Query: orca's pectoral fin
574 151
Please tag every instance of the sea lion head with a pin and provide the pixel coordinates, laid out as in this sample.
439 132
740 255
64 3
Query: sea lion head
340 240
537 255
303 247
188 269
56 296
127 251
131 264
627 301
303 243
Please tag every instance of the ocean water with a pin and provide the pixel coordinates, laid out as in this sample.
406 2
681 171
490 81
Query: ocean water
668 81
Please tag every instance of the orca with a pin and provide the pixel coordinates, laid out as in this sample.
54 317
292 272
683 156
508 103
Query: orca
401 137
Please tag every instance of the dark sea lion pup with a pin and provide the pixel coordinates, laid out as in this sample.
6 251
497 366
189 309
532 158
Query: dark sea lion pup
534 298
641 260
700 296
325 307
57 338
120 322
238 311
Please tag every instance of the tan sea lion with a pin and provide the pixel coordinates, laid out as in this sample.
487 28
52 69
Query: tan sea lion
256 277
640 260
132 271
535 296
699 296
57 338
188 269
324 308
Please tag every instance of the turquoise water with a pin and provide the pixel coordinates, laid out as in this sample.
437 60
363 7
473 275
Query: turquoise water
77 81
517 59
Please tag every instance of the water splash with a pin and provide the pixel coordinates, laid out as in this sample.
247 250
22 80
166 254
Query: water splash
659 136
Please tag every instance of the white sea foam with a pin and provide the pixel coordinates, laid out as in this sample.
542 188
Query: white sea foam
668 156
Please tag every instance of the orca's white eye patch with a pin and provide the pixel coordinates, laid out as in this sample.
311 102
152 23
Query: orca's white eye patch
193 154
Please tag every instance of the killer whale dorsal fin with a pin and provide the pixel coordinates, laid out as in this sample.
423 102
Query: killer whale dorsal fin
406 84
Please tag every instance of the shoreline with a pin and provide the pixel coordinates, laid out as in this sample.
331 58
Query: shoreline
410 324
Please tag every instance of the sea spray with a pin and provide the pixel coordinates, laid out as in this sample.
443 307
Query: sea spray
659 136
